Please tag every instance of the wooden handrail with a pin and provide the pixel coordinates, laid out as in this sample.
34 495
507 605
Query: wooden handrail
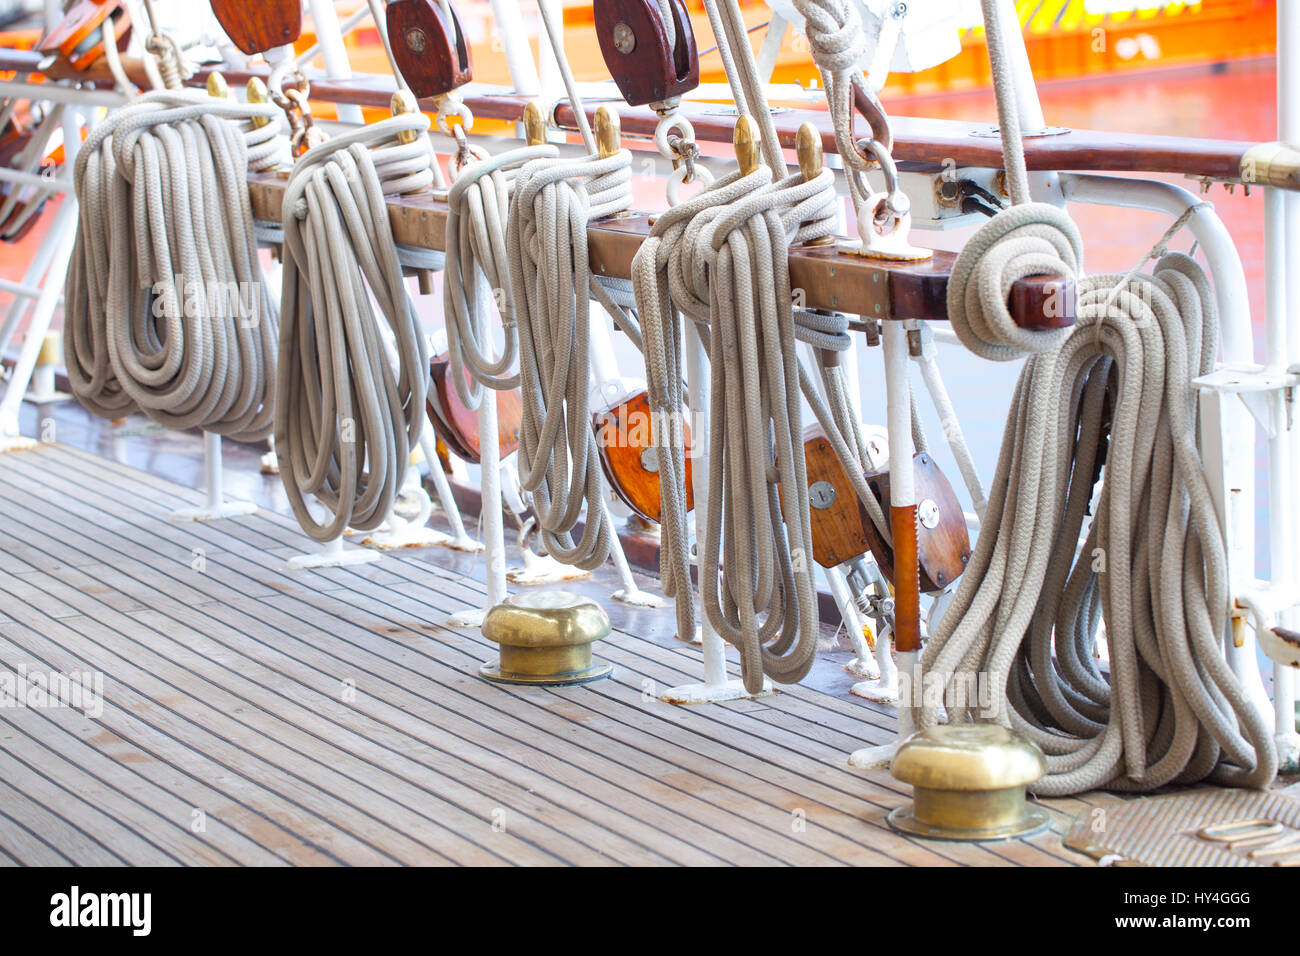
926 143
829 279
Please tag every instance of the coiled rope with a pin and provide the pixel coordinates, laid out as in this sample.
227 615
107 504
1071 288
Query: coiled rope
551 290
721 258
1109 397
347 417
477 267
166 307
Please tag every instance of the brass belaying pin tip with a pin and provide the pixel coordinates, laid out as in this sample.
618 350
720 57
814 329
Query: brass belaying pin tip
608 132
258 93
808 147
403 103
534 124
748 144
218 88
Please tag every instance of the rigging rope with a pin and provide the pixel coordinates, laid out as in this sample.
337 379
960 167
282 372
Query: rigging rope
721 258
347 417
551 290
167 309
1110 399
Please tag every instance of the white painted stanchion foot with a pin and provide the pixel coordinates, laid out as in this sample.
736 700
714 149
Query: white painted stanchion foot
464 543
333 555
217 508
864 667
214 512
638 598
544 569
270 463
398 534
471 618
882 687
10 443
873 758
712 693
882 755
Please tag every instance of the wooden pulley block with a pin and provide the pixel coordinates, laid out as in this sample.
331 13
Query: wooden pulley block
625 436
838 521
634 43
256 26
79 36
943 543
457 426
431 53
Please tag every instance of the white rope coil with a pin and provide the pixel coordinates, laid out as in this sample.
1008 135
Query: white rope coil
1153 566
1025 240
1110 397
478 271
721 258
551 290
347 416
167 311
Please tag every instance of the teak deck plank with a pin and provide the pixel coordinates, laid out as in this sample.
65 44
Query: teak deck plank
223 694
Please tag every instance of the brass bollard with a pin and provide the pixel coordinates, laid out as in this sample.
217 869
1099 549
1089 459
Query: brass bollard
968 783
545 639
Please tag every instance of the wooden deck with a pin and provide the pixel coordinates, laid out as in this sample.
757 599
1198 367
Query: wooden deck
231 734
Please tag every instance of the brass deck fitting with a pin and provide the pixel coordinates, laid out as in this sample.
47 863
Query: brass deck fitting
968 783
546 639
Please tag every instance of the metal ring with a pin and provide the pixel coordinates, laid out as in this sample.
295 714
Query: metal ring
667 125
678 177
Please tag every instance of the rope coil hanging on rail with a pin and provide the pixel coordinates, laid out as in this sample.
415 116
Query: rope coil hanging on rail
1110 399
554 200
167 311
721 258
348 411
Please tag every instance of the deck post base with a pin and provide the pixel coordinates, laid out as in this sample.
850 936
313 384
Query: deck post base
333 556
544 569
635 597
214 512
16 443
689 694
873 758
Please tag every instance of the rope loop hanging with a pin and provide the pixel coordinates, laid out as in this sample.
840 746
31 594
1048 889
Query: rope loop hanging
721 259
354 371
478 270
552 286
167 310
1102 429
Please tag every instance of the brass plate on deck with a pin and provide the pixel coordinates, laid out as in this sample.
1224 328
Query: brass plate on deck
1208 827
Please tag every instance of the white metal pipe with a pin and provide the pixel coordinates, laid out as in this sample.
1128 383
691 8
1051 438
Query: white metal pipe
514 44
212 470
334 51
429 444
697 381
40 324
52 184
58 93
1215 242
490 504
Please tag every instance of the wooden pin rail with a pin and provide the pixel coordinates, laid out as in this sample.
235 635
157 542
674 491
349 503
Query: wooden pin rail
830 280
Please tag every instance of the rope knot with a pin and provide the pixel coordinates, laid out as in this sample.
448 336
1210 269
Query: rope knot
1025 240
834 31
